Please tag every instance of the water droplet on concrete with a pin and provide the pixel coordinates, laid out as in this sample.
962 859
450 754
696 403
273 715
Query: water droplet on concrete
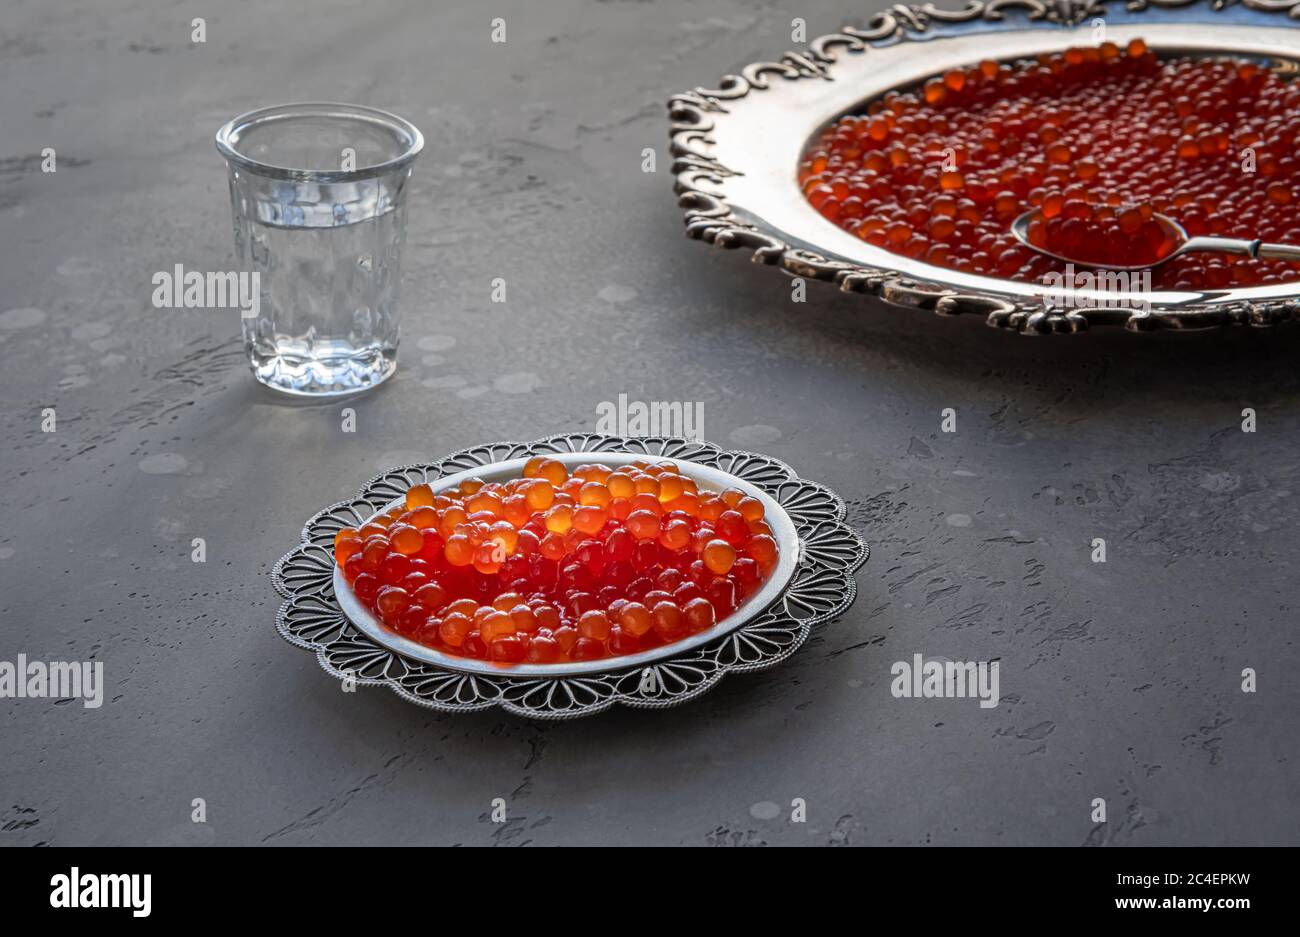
520 382
757 434
21 318
765 810
436 343
164 463
613 293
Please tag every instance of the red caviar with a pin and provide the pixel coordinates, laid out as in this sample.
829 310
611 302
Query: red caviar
1097 139
559 566
1106 236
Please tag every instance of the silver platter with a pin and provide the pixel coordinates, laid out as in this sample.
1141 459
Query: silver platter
812 583
737 148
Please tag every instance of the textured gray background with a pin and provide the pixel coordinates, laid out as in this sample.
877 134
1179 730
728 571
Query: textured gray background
1120 681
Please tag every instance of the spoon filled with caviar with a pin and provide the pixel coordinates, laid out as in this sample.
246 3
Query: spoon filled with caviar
1131 237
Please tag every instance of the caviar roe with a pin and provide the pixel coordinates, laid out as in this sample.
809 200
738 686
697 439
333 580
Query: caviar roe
1106 236
1098 139
555 566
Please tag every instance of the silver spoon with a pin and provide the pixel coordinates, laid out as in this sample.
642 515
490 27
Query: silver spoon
1188 244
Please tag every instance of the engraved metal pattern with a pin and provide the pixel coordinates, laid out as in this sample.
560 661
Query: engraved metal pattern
822 588
700 178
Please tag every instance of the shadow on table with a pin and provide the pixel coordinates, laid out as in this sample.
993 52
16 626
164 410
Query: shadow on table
1256 366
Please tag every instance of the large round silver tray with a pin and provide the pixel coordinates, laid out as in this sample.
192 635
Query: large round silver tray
737 149
813 583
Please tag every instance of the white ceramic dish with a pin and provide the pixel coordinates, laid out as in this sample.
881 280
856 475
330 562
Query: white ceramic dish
708 478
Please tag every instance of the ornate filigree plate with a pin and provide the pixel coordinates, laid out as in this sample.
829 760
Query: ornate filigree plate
820 586
737 147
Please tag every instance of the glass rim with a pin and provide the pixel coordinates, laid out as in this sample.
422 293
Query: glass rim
227 140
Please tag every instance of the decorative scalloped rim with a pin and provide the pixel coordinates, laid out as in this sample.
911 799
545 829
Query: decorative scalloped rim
709 217
822 588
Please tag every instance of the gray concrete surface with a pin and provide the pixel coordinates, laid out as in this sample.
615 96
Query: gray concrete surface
1120 681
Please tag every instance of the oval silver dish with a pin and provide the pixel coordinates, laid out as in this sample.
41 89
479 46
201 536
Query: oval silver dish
783 530
737 150
821 587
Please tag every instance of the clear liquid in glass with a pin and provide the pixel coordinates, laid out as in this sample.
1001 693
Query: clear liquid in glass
327 322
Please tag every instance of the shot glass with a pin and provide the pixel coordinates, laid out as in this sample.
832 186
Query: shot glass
318 193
